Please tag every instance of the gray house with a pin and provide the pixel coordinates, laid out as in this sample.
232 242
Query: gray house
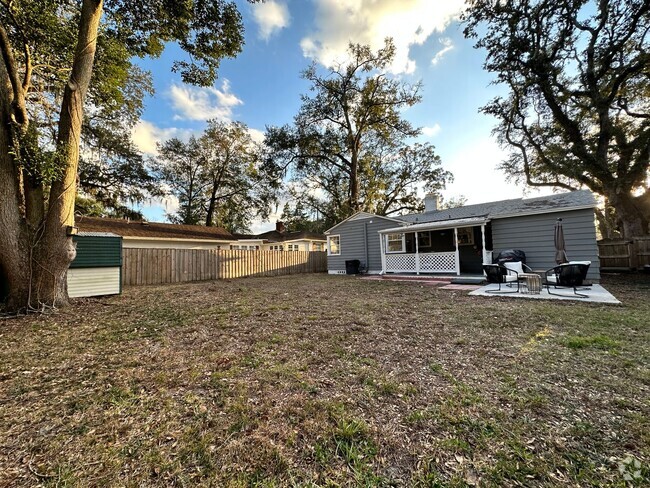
459 240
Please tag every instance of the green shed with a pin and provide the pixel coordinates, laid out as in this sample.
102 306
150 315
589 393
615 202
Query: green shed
97 269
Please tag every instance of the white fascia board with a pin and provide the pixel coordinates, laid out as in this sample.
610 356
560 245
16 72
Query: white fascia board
441 224
258 241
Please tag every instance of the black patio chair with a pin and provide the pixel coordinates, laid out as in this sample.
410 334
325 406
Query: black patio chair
497 273
568 275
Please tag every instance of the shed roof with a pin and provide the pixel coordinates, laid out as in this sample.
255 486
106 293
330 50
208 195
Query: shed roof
137 228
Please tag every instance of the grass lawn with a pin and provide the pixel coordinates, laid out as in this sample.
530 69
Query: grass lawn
320 380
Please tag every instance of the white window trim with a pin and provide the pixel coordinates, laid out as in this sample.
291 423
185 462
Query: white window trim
329 248
403 250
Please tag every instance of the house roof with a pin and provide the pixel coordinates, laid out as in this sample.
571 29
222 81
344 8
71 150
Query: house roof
560 202
364 215
158 230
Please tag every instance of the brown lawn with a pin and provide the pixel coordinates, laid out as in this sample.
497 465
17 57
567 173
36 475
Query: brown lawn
319 380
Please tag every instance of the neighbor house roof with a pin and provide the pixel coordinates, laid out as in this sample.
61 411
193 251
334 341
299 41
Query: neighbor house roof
154 230
275 236
560 202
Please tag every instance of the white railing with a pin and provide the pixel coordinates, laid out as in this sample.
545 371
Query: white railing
431 262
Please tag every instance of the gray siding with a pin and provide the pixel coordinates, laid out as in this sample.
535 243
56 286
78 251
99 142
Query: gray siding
533 234
353 243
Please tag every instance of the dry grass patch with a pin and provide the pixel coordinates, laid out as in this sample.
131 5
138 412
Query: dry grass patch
327 381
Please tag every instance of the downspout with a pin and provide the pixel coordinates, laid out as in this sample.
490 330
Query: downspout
383 255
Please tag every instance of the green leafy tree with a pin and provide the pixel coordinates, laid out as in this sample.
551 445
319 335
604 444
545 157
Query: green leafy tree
179 167
453 202
577 113
217 177
296 217
60 61
346 151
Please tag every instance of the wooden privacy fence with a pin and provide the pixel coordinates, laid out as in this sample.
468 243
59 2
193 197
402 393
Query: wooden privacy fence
624 254
159 266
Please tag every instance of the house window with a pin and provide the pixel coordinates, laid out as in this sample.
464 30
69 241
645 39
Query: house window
465 236
293 247
395 243
277 247
317 246
334 245
424 239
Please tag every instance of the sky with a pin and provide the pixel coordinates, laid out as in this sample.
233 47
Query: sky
262 86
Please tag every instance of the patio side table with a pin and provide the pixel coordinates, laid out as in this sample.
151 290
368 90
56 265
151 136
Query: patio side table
532 282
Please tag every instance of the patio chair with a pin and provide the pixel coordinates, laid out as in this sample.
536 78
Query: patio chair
497 273
568 275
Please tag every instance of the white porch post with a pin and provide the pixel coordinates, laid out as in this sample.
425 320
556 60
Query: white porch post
483 242
457 252
417 255
383 253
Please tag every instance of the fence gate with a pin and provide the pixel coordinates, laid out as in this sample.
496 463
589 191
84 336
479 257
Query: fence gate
624 254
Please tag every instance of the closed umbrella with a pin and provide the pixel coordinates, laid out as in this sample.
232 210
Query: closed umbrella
560 245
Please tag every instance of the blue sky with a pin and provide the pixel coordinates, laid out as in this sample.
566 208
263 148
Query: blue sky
262 86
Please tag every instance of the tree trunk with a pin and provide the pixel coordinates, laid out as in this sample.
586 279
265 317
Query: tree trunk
631 213
209 218
354 182
35 256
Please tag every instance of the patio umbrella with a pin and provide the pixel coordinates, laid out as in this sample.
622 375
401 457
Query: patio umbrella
560 246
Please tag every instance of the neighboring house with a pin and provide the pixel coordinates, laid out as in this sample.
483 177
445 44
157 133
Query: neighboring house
281 240
140 234
459 240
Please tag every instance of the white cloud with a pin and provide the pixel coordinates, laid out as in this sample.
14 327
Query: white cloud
270 17
197 103
431 131
476 175
408 22
447 46
256 135
146 135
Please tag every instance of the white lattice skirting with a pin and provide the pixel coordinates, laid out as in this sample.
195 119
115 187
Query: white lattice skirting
437 262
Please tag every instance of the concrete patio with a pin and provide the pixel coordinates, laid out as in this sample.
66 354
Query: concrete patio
596 294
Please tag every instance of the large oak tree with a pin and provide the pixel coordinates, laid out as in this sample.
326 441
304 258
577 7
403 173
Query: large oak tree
49 50
577 113
347 149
